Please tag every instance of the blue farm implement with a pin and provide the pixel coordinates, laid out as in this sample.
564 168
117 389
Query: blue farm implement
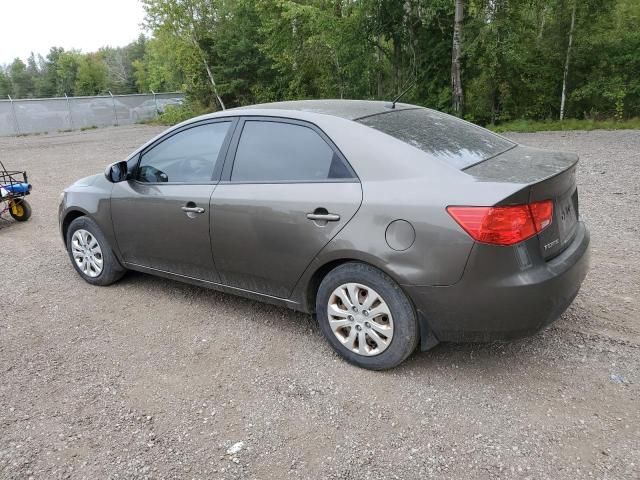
14 187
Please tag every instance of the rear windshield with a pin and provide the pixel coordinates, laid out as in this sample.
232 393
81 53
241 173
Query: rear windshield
459 143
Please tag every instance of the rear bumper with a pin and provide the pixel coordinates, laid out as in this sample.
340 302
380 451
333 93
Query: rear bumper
505 292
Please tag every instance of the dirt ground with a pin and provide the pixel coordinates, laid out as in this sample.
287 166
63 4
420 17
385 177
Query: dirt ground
151 378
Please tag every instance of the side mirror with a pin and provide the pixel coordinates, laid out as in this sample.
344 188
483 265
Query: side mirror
116 172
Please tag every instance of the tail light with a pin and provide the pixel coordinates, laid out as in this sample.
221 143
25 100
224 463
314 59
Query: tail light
506 225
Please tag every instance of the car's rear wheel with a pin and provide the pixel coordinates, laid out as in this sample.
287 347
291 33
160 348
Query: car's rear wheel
366 317
91 254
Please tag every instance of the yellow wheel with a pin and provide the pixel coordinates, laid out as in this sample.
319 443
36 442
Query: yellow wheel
20 210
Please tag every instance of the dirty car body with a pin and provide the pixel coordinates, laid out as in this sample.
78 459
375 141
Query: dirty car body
421 196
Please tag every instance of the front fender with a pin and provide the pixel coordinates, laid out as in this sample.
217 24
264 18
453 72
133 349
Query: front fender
89 198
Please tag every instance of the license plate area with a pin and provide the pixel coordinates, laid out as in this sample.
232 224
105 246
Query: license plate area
567 216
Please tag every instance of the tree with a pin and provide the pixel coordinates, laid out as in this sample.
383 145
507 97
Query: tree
534 59
66 72
566 62
91 77
21 82
35 74
120 65
171 64
605 65
5 85
189 20
302 44
456 53
243 71
46 85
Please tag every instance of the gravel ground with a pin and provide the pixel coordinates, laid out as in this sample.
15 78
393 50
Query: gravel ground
151 378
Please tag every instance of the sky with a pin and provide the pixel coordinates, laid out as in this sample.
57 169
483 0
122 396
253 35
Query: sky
36 25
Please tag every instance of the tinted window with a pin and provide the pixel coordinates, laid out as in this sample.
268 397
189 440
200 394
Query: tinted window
450 139
186 157
272 152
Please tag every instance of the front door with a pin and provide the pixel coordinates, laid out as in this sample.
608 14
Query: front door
161 214
286 194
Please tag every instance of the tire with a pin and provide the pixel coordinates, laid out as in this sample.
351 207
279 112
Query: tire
111 271
397 333
23 210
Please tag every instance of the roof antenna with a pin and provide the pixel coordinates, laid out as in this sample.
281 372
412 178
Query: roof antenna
392 105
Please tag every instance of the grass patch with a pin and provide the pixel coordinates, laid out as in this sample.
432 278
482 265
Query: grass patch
91 127
175 114
158 122
569 124
32 134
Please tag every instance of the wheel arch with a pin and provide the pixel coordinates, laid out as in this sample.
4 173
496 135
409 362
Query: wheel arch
427 337
321 271
311 290
69 217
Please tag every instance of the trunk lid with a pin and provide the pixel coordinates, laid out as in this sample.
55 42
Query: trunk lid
547 175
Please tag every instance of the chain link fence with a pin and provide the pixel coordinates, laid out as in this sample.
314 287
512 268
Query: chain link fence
40 115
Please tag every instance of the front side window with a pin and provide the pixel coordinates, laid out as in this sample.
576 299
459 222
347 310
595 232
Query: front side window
284 152
188 156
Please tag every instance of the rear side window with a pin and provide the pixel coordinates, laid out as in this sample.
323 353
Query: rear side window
284 152
188 156
459 143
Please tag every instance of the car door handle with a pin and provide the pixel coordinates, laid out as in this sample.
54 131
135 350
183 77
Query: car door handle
327 217
193 209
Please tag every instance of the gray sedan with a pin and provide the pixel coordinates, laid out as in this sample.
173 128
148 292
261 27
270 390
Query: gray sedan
395 225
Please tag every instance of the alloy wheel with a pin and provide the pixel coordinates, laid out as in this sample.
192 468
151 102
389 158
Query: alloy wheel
360 319
87 253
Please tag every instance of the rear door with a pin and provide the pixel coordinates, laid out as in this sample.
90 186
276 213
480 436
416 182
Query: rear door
161 214
286 191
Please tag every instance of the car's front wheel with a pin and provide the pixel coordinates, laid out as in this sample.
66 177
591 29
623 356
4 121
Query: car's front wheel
366 317
91 254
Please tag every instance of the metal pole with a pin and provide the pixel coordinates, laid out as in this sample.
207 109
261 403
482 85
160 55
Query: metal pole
115 114
15 117
69 108
155 101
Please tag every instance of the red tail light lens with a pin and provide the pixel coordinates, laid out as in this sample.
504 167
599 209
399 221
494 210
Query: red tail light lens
504 225
542 213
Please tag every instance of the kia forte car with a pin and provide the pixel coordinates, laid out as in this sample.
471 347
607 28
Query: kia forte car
395 225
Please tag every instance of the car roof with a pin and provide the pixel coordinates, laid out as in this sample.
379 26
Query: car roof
339 120
347 109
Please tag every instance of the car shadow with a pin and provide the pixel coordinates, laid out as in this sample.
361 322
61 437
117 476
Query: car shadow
491 360
244 306
485 358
